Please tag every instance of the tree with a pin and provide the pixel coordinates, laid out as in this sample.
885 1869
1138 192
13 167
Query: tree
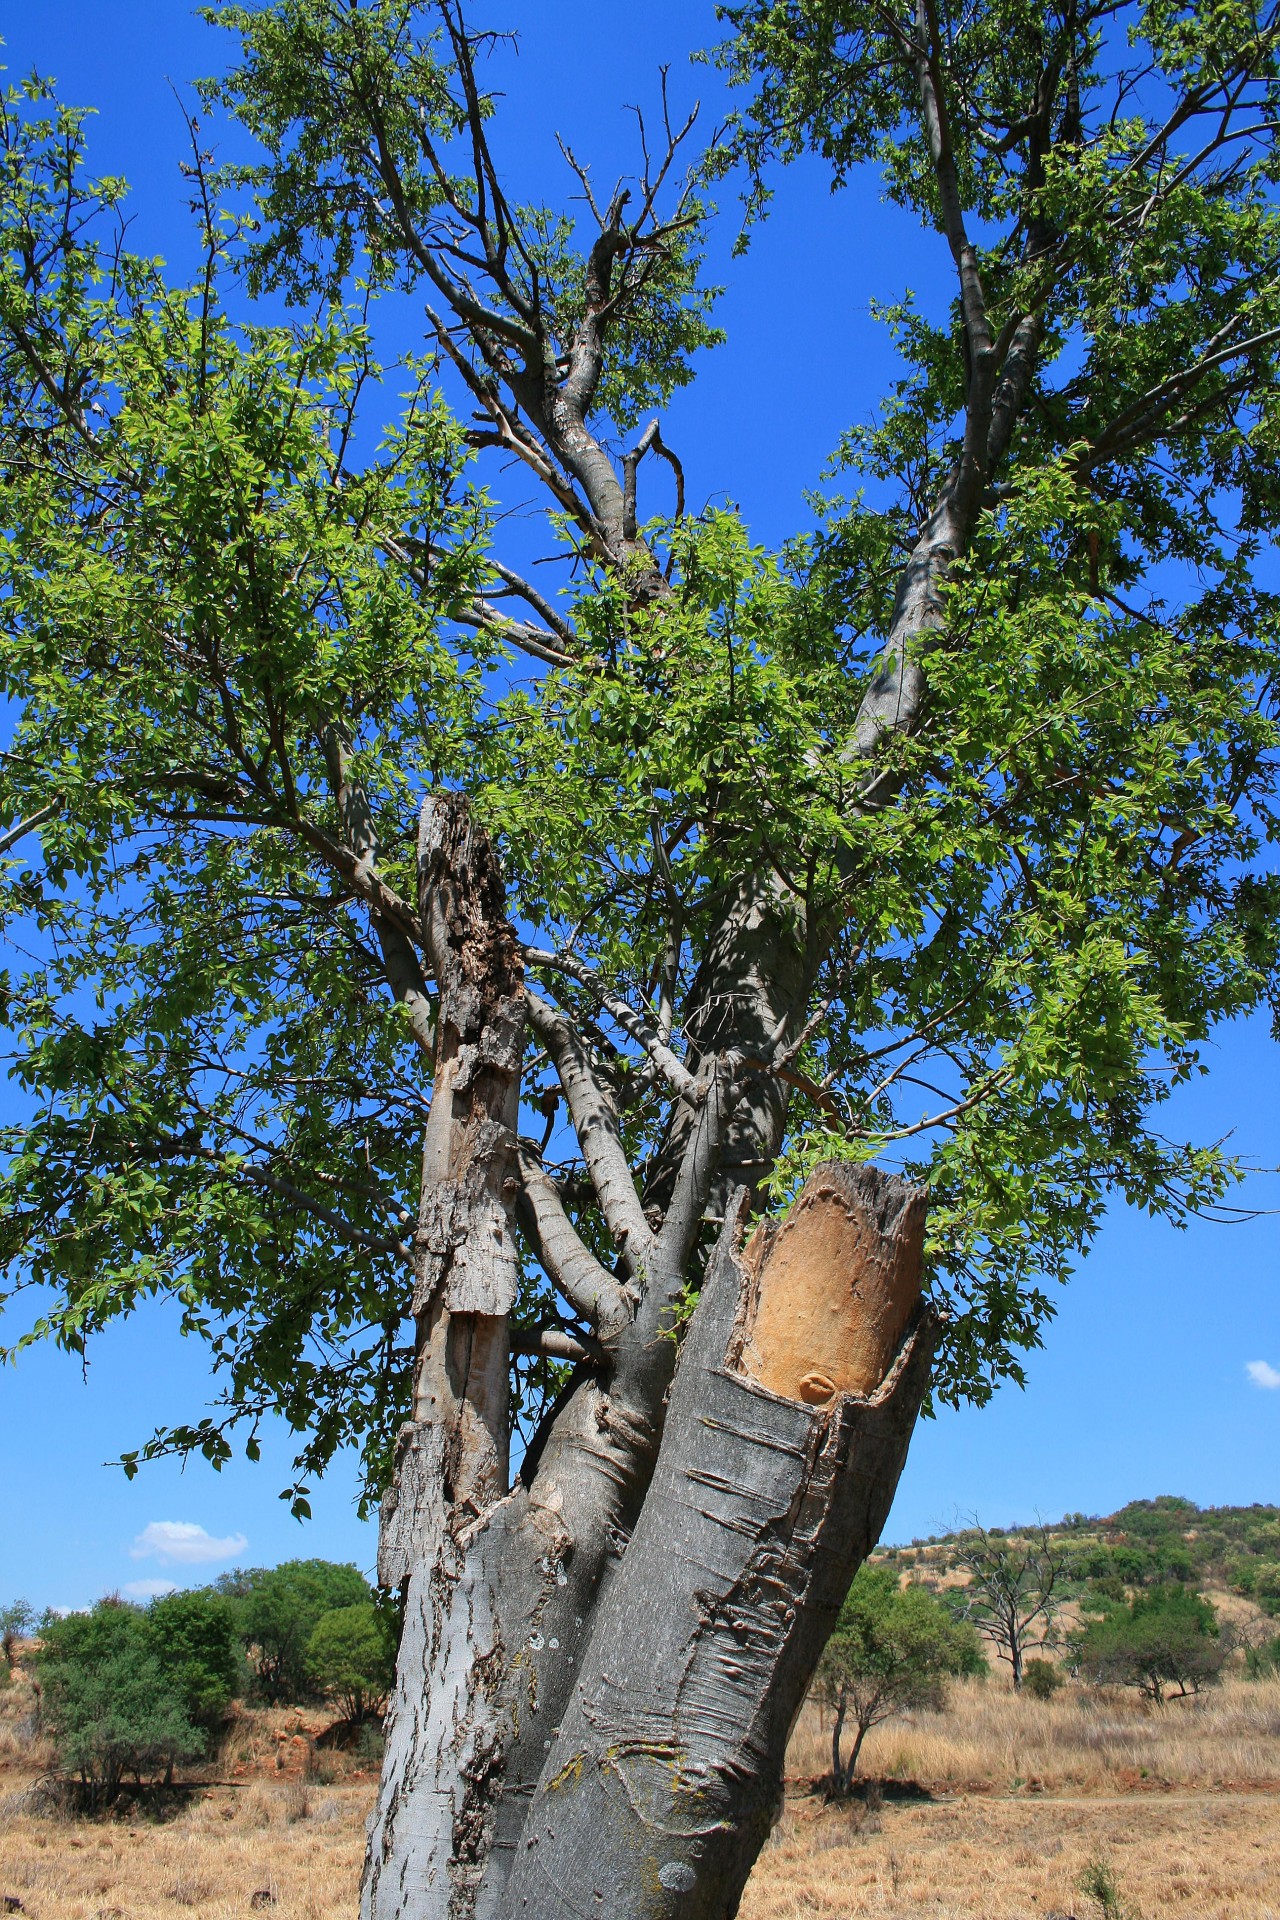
194 1638
673 884
892 1649
279 1611
113 1709
1165 1637
1014 1590
16 1619
350 1659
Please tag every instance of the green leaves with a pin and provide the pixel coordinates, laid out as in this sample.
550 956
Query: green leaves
241 591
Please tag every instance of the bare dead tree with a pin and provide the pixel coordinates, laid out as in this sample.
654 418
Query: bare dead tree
1015 1589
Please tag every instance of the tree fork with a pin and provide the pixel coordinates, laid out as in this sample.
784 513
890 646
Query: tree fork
784 1441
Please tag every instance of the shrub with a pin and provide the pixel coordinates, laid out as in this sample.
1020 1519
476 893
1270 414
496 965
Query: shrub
1042 1679
1166 1638
194 1638
893 1648
113 1710
350 1659
1263 1661
16 1620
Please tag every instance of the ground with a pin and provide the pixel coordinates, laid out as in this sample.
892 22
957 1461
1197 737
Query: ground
993 1809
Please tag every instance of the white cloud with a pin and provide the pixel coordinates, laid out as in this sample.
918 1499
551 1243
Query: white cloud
1261 1374
182 1543
149 1589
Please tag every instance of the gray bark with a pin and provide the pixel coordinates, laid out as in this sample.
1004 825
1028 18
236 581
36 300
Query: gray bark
451 1464
663 1782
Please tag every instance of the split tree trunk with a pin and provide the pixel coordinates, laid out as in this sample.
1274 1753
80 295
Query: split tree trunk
600 1668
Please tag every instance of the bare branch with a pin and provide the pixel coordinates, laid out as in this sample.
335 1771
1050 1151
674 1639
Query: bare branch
669 1064
555 1344
591 1290
11 836
596 1125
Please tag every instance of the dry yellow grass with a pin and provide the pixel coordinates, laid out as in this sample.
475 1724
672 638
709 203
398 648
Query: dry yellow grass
281 1850
1084 1740
1214 1859
1184 1802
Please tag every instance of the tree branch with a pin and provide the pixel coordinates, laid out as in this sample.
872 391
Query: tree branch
591 1290
596 1125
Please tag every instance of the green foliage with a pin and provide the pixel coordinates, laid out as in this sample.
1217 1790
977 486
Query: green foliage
193 1636
307 69
893 1648
278 1609
1165 1638
1261 1662
17 1618
351 1659
238 588
1098 1883
115 1711
1042 1679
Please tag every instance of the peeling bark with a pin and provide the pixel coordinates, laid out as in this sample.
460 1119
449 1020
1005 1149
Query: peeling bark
641 1619
451 1458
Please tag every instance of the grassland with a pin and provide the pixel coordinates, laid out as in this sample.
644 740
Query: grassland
993 1809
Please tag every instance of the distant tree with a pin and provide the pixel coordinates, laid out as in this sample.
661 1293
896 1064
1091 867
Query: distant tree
16 1619
1042 1679
1165 1638
351 1659
1015 1588
279 1611
194 1638
113 1710
893 1648
1262 1659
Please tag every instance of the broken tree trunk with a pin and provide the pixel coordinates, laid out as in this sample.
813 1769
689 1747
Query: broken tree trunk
451 1457
783 1444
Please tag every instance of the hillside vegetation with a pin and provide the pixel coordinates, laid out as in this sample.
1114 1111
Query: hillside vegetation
1233 1550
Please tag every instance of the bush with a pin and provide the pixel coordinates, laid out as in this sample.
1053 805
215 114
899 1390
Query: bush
194 1638
893 1648
1166 1638
1042 1679
277 1609
351 1660
1262 1662
114 1711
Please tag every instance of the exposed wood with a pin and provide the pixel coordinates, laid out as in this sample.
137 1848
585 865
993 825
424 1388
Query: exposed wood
834 1288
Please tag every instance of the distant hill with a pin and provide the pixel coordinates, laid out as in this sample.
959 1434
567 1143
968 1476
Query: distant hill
1227 1549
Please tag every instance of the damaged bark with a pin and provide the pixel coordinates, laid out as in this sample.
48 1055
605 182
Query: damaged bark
452 1455
779 1462
647 1604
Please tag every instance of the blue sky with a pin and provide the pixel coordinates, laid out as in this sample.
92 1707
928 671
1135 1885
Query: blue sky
1142 1386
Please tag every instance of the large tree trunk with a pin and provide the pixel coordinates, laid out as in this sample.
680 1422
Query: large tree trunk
793 1404
599 1667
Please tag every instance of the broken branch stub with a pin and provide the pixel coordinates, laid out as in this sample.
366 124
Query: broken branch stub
663 1782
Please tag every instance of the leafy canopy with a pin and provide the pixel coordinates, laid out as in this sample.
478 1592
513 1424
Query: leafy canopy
115 1709
254 608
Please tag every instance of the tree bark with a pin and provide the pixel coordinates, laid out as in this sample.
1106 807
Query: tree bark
663 1783
752 1499
451 1457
